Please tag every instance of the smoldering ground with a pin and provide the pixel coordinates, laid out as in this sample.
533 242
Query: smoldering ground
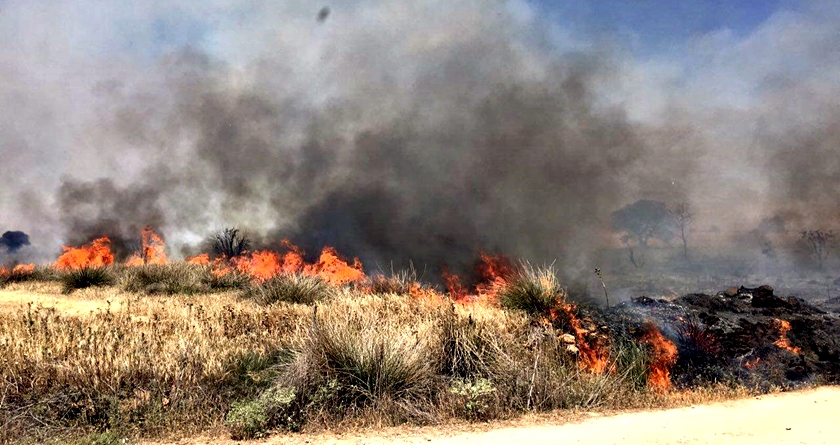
420 132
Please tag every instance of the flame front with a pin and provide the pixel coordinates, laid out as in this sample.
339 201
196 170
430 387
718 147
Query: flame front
152 250
594 357
96 254
663 355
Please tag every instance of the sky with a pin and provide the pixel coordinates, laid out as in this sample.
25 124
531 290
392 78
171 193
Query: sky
518 124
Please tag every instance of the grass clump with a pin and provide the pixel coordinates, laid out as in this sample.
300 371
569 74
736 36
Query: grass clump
291 288
86 277
173 278
404 282
532 290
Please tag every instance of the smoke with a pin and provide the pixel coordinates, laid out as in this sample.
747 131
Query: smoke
398 132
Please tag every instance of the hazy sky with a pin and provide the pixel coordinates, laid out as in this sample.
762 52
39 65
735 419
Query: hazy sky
194 115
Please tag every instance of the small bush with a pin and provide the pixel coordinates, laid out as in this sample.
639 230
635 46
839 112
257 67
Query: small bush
533 290
86 277
253 419
291 288
233 280
473 397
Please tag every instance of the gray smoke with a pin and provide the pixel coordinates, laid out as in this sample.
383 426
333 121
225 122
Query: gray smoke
420 132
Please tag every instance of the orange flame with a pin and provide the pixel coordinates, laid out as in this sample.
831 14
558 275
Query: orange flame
96 254
783 342
23 268
594 357
457 291
493 273
152 249
751 364
261 265
201 259
333 269
663 355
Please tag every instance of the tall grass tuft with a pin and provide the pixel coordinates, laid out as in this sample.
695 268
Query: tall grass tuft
86 277
291 288
401 283
169 279
532 290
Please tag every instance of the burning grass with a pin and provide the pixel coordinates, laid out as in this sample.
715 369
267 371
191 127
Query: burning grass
146 365
265 340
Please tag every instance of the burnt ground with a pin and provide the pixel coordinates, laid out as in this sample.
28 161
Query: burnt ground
742 335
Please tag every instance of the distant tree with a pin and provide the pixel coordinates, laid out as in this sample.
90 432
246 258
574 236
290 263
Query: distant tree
640 222
682 219
229 243
818 243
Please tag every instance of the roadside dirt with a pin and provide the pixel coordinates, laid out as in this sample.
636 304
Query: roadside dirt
805 417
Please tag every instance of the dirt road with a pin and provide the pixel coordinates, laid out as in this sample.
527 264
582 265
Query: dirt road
807 417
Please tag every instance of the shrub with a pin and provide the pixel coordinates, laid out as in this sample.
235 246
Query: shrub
473 395
174 278
86 277
533 290
291 288
233 280
253 419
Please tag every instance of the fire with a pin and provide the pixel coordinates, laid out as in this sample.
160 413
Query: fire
152 249
261 265
20 269
202 259
783 342
334 270
594 357
493 273
265 264
96 254
457 291
663 355
751 364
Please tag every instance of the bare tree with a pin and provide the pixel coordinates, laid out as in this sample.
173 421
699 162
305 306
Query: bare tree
818 243
229 243
682 219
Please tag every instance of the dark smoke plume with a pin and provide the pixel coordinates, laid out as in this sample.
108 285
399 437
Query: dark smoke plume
430 130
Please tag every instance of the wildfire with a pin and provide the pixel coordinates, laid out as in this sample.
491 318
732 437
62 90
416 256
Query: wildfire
202 259
783 326
96 254
663 355
493 273
261 265
751 364
594 357
152 249
20 269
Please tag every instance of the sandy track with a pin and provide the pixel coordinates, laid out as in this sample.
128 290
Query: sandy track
807 417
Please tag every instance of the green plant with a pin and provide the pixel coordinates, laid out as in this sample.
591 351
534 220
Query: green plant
252 419
291 288
473 397
533 290
86 277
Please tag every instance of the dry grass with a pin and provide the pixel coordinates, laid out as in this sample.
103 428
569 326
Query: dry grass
115 363
145 364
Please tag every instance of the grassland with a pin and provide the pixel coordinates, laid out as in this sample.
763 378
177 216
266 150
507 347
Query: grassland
164 350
